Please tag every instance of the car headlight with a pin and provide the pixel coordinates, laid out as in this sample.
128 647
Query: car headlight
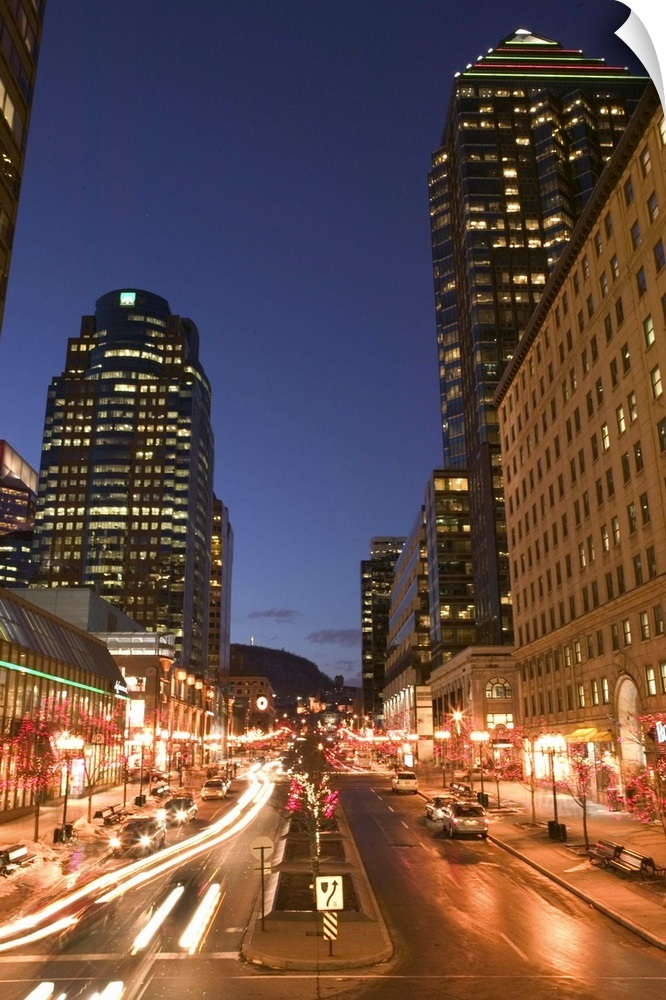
145 841
114 843
181 814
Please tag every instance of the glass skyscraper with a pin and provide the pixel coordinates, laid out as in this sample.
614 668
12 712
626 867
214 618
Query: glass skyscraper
125 492
530 127
20 32
376 584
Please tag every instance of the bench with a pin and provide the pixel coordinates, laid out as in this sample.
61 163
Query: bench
632 863
14 857
110 814
458 788
604 851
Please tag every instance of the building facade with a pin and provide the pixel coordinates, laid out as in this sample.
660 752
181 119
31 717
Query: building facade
125 490
583 430
376 583
530 127
54 674
18 500
20 35
431 616
219 618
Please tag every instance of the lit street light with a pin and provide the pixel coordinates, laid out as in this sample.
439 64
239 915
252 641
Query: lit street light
442 735
481 738
69 746
552 744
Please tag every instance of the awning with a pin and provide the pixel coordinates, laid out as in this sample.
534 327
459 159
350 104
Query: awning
590 735
581 735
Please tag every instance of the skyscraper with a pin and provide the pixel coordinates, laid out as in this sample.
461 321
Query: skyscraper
219 624
18 498
20 32
376 583
529 129
125 490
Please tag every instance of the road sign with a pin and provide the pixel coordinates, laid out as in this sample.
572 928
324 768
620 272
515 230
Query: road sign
262 847
330 926
328 889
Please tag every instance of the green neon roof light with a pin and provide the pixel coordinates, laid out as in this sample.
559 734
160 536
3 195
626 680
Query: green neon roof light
58 680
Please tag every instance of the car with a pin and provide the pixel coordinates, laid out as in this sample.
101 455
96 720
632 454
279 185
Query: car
405 781
139 835
434 807
178 810
215 788
460 818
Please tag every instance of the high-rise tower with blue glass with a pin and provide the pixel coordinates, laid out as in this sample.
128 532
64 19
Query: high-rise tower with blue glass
125 493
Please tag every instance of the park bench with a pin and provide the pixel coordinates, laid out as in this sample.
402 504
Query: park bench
14 857
632 863
458 788
110 814
603 852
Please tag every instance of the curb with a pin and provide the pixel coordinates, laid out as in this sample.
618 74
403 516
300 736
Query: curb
257 956
601 907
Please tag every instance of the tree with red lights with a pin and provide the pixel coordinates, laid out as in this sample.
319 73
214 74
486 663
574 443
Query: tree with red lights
33 763
581 771
645 791
310 794
104 739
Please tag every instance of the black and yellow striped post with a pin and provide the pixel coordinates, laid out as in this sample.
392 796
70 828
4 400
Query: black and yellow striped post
330 928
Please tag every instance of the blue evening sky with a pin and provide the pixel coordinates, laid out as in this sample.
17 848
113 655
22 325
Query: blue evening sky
262 164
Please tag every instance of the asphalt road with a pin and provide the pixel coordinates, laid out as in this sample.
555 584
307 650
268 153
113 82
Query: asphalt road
468 922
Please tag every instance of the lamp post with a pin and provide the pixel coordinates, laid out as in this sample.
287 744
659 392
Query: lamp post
552 744
481 738
143 739
442 735
68 745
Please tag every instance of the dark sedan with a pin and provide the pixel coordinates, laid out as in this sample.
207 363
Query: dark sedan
178 810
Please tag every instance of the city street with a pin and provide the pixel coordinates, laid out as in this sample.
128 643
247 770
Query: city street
467 919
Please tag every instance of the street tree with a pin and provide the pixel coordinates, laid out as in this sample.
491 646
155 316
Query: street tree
33 763
311 796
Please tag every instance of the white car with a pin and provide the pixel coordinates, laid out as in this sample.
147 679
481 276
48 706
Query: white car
405 781
215 788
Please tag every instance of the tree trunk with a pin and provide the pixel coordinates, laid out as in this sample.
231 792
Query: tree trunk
37 801
585 834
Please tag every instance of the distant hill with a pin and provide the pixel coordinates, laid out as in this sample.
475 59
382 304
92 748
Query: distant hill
290 675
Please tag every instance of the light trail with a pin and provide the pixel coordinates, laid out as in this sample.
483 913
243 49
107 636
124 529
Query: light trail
201 919
27 929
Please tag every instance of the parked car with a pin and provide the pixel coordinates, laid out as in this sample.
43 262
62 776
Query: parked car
460 818
178 810
434 808
139 835
405 781
215 788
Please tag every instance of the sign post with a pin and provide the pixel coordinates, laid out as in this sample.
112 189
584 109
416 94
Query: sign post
262 848
329 898
330 928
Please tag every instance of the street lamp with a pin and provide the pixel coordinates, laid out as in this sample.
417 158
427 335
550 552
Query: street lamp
441 736
481 738
552 744
69 746
143 739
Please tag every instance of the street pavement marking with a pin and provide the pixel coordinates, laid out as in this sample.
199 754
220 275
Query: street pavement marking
515 947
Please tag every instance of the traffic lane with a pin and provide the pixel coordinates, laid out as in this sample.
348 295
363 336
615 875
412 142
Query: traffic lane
464 901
